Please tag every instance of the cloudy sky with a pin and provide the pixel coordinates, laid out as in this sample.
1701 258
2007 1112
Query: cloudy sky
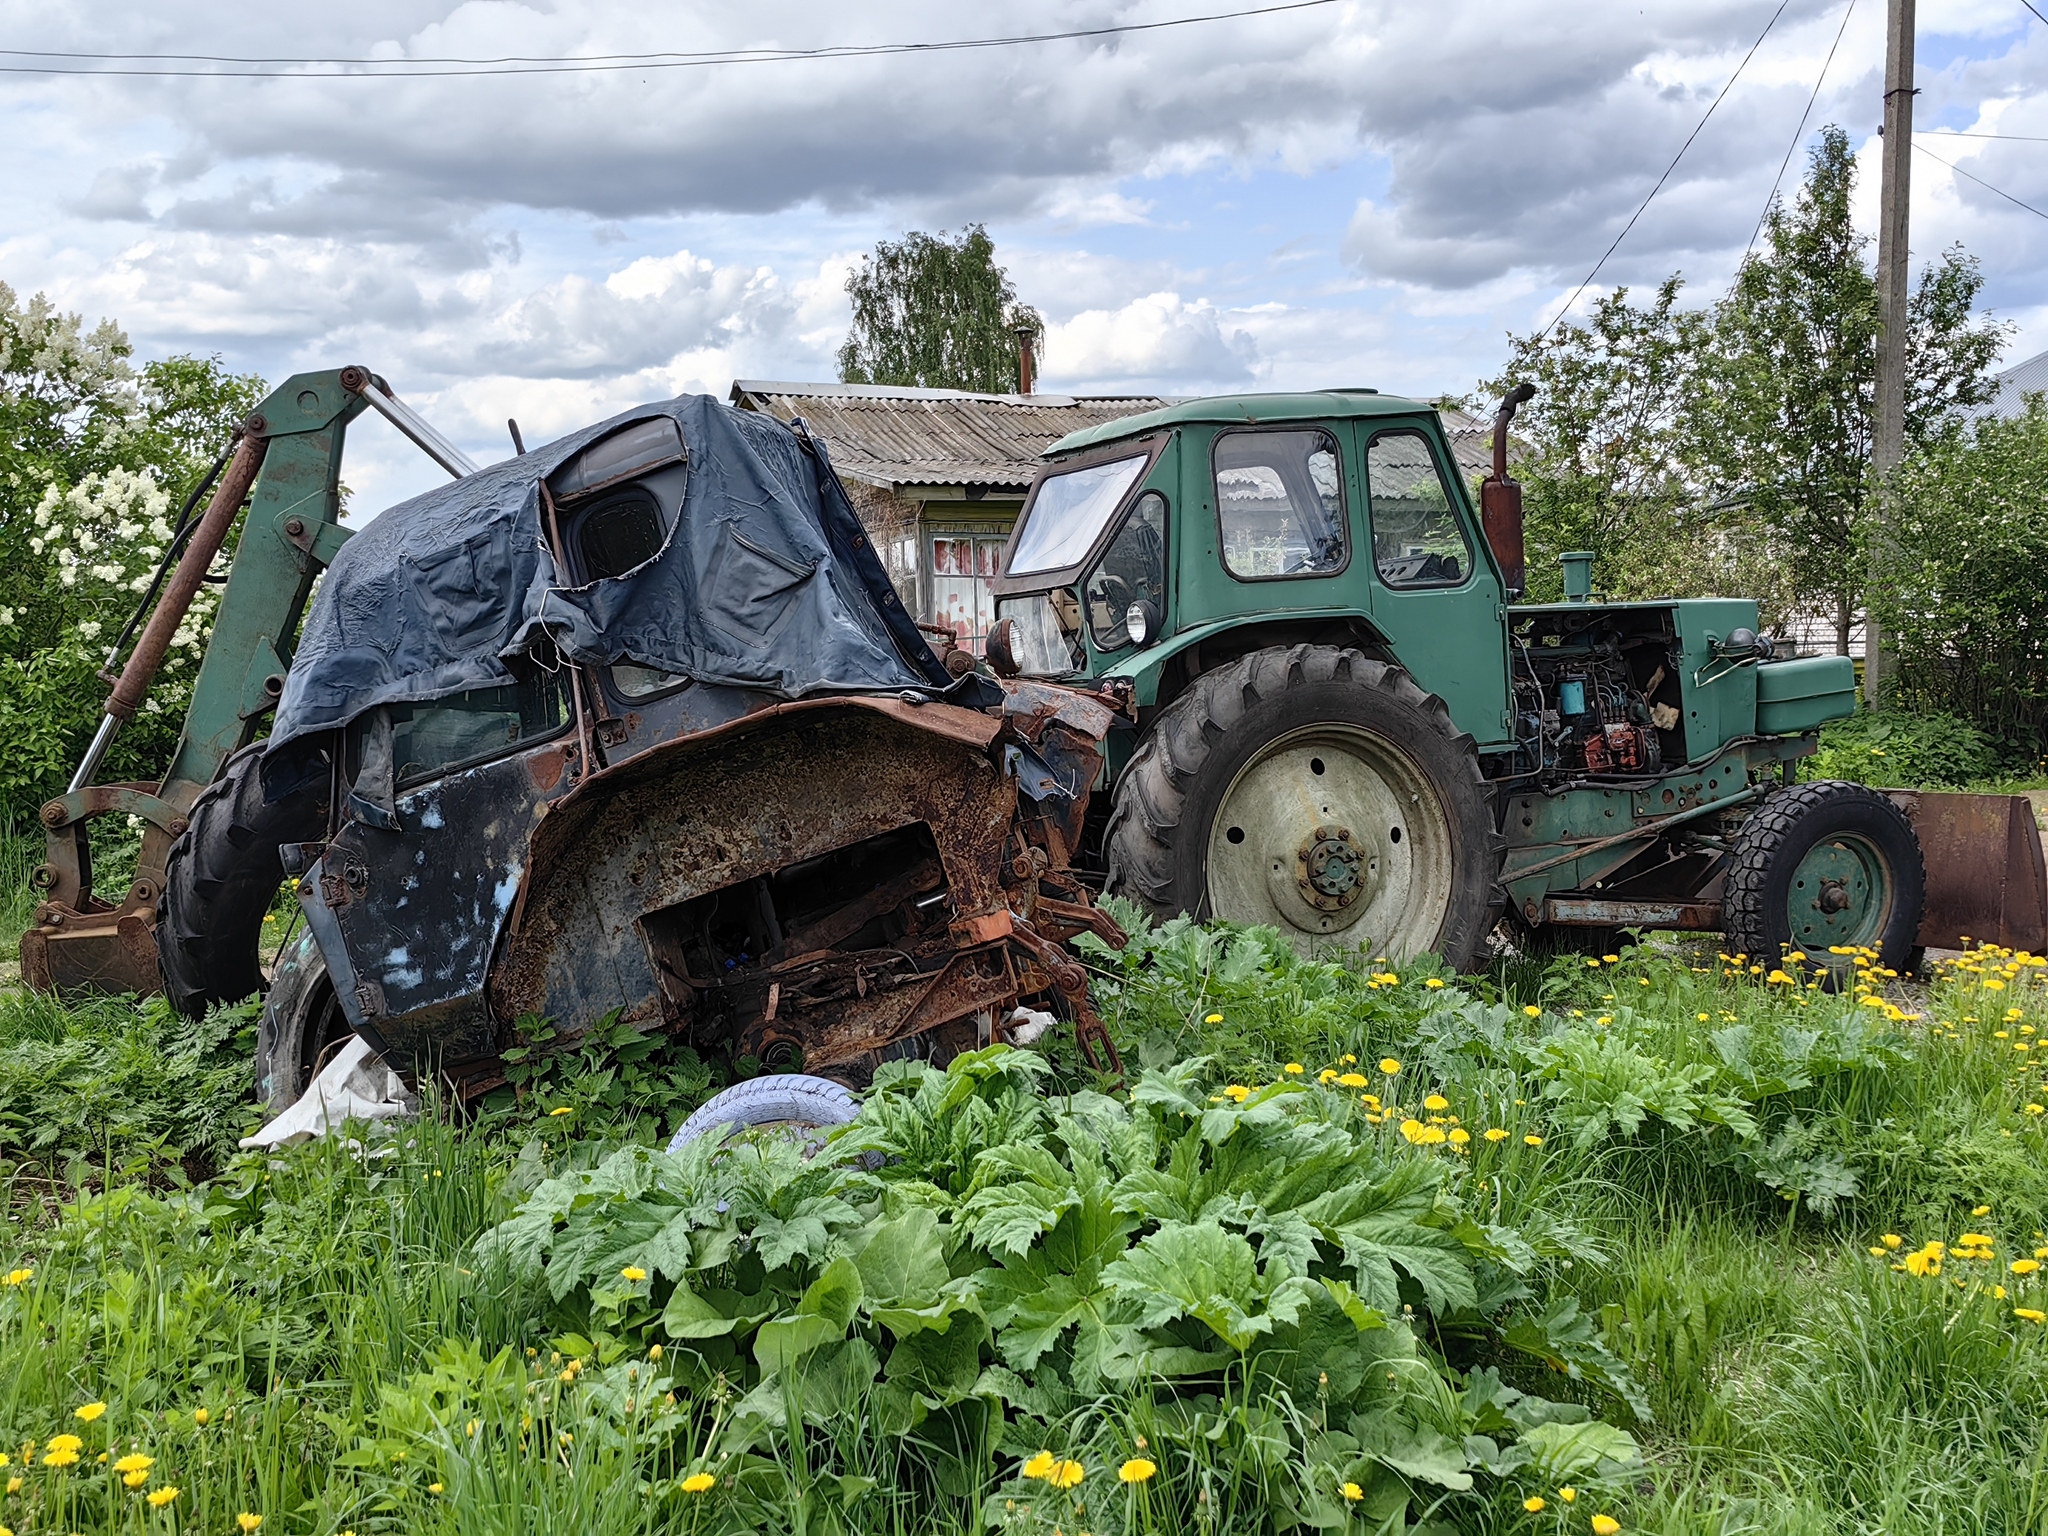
1355 192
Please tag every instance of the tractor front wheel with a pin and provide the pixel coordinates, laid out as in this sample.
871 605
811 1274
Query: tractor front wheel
1321 792
1822 870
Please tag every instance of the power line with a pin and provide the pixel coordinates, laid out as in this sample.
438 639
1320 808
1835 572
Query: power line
1956 133
408 69
2029 4
1930 154
1799 132
1631 224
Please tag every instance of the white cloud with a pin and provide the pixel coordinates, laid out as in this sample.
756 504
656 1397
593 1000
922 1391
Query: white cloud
1148 341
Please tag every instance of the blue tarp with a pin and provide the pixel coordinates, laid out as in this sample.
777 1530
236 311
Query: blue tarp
766 580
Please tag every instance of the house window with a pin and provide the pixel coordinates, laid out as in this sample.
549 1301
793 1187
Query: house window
963 565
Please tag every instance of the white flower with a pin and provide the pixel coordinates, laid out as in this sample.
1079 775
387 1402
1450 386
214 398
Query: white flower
89 629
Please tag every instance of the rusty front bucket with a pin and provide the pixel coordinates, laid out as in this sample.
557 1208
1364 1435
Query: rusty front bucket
1986 879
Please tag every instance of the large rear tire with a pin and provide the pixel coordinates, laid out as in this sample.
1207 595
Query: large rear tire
1822 867
1321 792
220 879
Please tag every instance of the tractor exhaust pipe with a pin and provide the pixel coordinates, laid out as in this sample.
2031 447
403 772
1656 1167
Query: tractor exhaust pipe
1500 501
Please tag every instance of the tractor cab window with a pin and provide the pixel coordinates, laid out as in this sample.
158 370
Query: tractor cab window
1280 502
1417 540
1066 512
428 739
1132 570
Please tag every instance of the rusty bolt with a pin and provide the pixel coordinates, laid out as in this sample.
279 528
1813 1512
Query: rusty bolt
353 379
53 814
273 685
255 425
178 826
44 878
295 526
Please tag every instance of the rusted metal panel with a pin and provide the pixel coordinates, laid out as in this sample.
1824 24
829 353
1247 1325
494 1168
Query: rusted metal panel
1986 880
1588 912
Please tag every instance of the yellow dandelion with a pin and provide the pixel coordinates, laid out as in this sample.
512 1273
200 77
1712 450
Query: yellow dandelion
69 1443
561 1109
1891 1240
633 1272
1353 1492
2030 1314
1496 1134
163 1496
1214 1018
1389 1067
135 1461
200 1416
1238 1093
1351 1080
248 1522
1532 1141
19 1277
433 1487
60 1459
134 1479
1535 1504
1460 1136
1065 1474
1040 1465
1532 1010
1434 982
1294 1069
1568 1494
1605 1525
699 1482
2024 1266
1136 1470
85 1413
1436 1102
1981 1210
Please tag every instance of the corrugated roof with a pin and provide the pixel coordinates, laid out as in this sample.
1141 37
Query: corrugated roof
2011 388
889 436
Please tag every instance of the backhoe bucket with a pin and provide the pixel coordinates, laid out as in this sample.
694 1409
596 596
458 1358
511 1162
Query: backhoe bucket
1986 879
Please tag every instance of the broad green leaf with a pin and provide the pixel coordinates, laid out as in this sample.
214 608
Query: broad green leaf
903 1261
690 1316
1567 1451
823 1315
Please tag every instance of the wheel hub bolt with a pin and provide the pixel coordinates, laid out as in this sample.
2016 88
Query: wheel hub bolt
1834 896
1330 868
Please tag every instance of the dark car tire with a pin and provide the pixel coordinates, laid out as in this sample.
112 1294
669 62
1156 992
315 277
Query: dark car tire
302 1020
1810 836
221 877
1281 751
793 1100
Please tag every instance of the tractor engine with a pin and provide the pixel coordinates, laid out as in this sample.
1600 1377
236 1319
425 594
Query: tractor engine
1587 699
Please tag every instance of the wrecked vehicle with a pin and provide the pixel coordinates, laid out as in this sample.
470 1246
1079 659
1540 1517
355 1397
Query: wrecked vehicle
631 726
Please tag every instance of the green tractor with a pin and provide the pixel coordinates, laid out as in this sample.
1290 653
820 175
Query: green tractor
1350 728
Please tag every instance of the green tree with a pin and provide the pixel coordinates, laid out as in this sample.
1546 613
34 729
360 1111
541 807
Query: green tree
1782 404
1966 604
935 313
1600 454
95 456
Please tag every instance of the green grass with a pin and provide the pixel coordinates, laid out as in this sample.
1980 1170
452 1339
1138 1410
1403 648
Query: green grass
1706 1200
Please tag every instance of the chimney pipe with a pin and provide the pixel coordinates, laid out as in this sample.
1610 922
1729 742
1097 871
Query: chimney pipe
1027 347
1500 501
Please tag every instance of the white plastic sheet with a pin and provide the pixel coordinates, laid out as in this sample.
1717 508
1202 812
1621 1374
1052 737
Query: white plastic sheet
356 1085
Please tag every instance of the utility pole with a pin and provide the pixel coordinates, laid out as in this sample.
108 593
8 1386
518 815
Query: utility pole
1893 231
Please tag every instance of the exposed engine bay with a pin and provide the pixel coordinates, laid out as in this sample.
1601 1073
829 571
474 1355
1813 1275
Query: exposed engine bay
1597 693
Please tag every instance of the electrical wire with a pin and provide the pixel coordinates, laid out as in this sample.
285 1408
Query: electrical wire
1799 133
2029 4
1930 154
1702 123
408 69
1957 133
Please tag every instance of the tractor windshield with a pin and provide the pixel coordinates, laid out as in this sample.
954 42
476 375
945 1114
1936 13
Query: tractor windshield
1066 513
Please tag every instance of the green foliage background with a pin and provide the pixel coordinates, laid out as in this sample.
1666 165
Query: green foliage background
935 313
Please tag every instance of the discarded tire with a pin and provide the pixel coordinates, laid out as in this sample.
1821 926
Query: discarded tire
1821 867
1317 790
220 879
793 1100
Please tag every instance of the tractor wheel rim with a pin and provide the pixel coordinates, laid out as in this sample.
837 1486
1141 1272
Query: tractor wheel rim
1333 834
1839 897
